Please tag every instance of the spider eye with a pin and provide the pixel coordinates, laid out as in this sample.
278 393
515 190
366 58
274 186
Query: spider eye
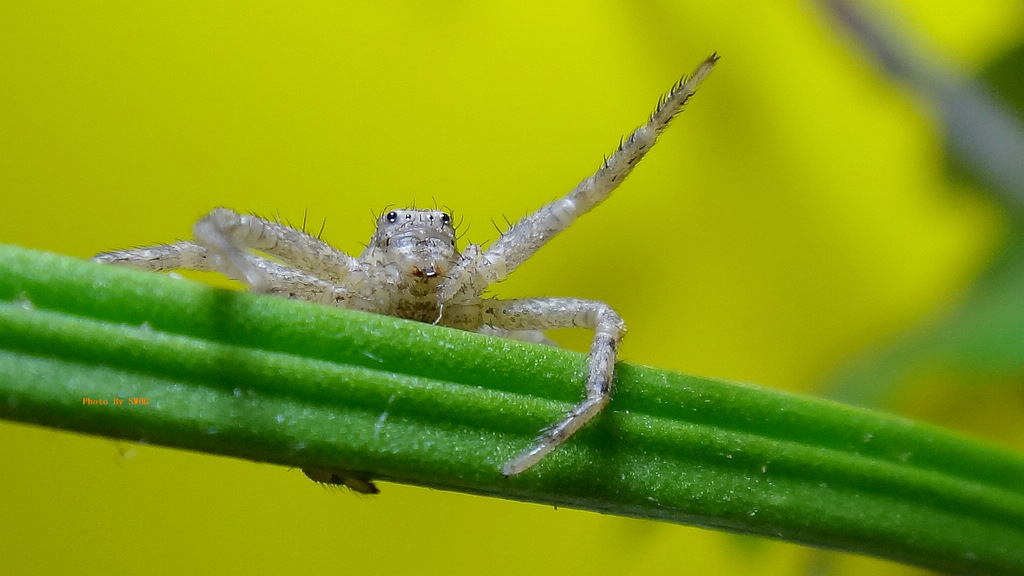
392 216
445 218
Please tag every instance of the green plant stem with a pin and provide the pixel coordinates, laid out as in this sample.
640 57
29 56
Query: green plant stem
307 386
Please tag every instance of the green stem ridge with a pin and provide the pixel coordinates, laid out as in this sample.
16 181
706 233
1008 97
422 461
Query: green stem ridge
290 383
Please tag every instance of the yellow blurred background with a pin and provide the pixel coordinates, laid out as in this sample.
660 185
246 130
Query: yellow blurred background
796 212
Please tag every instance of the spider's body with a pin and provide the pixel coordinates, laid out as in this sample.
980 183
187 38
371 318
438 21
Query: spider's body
412 269
412 252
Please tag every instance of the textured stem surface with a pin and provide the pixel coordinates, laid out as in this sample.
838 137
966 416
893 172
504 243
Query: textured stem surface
126 354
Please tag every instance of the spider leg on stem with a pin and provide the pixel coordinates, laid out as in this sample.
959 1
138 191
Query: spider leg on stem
547 313
231 233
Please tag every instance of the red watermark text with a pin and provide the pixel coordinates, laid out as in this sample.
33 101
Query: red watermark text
115 401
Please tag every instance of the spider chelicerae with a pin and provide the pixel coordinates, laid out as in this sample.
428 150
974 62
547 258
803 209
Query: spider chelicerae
412 269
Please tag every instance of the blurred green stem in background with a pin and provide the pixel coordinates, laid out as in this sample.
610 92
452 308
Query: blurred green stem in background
145 357
977 344
982 130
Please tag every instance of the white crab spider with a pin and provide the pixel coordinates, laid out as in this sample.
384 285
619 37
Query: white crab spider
412 269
